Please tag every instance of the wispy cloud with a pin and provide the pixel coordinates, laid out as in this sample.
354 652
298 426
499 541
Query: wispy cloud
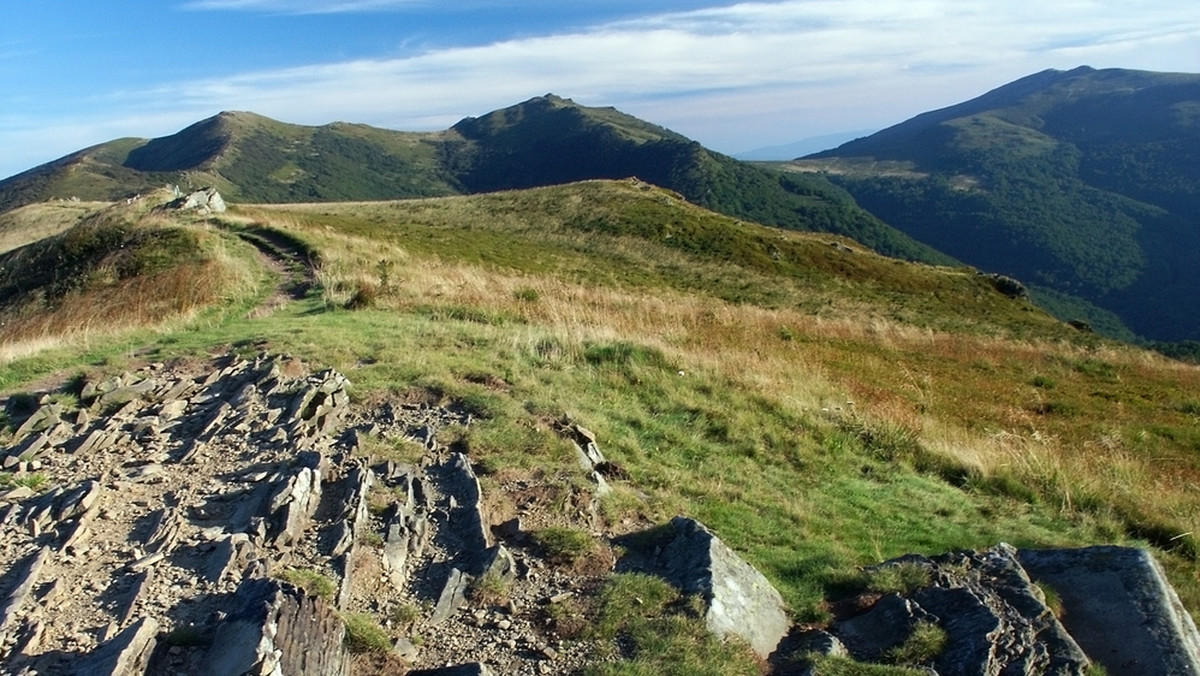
733 77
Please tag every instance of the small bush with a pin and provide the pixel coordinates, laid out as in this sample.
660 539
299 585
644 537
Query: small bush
923 645
366 295
312 582
189 637
35 481
365 635
564 545
490 590
1043 382
527 295
1051 598
898 578
405 615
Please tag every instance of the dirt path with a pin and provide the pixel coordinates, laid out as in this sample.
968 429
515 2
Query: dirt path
288 261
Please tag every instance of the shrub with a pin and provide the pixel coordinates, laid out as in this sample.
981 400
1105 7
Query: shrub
490 590
365 635
564 545
923 645
898 578
312 582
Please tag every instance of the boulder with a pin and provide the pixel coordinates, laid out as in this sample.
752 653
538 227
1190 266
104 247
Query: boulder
740 601
279 630
1120 607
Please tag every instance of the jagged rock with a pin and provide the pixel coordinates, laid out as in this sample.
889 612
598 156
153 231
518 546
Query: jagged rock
20 593
1120 607
468 518
279 630
205 201
885 626
741 602
993 616
293 505
1007 286
126 654
453 596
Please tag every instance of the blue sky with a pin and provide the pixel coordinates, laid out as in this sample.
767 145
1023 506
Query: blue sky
733 76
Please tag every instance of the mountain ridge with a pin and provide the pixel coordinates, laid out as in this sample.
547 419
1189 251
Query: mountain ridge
1083 182
545 140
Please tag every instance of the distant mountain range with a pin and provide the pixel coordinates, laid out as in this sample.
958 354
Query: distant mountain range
1083 184
544 141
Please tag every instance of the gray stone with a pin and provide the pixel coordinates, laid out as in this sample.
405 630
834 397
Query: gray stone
453 596
740 601
20 593
1120 608
203 201
885 626
278 630
126 654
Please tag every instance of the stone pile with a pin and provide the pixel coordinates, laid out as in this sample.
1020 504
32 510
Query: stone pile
158 513
1118 611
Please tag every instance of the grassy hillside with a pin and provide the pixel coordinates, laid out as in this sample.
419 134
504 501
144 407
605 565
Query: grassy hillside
544 141
1082 182
819 406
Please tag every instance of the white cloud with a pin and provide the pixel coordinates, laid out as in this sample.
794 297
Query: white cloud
733 77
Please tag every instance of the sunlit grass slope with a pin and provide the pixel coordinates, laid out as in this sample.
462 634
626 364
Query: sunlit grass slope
818 406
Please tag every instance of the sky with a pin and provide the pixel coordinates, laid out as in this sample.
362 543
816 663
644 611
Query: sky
734 76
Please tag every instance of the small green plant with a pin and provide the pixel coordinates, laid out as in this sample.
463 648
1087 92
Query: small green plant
665 634
1095 669
1051 598
564 545
405 615
923 645
312 582
490 590
372 539
189 637
897 578
365 635
34 482
527 295
1043 382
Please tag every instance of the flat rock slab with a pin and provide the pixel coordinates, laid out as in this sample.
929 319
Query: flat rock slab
1120 608
741 602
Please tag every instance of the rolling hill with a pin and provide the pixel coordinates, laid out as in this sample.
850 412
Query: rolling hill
544 141
1082 182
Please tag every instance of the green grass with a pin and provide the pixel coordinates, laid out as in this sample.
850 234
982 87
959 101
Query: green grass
666 633
312 582
364 634
564 545
722 382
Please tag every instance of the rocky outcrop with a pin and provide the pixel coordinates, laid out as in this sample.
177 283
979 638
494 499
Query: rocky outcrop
1118 610
739 600
1118 604
203 201
278 630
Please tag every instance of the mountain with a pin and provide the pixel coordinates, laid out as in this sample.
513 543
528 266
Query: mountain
544 141
1085 182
